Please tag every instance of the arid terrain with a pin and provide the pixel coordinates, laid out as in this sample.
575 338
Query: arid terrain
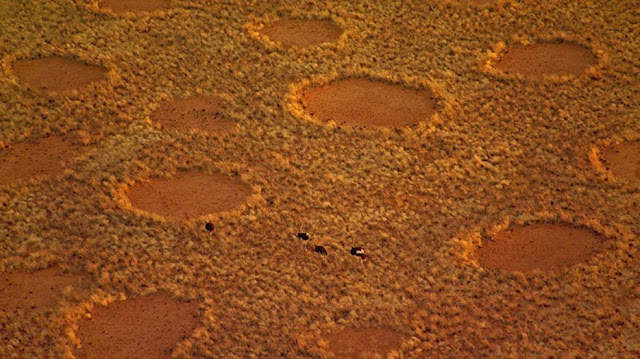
319 179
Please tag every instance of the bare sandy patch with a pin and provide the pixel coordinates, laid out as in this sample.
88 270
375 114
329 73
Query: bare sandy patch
33 291
44 158
364 103
539 247
624 161
146 327
135 6
538 60
57 74
199 113
302 33
189 194
364 342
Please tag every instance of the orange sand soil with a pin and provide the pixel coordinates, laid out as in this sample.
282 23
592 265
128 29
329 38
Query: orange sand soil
57 74
135 6
539 247
537 60
624 161
361 102
189 194
145 327
302 33
33 291
39 159
355 343
194 113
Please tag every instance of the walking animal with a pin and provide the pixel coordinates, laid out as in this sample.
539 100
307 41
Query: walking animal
359 252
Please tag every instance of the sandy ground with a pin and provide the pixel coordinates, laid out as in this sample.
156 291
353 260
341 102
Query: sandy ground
188 195
44 158
361 102
459 212
623 161
302 33
363 342
56 74
146 327
539 247
537 60
33 291
201 113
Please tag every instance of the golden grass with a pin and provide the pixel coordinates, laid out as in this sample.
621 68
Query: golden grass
503 151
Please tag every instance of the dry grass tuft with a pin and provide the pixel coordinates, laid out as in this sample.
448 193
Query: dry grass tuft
500 152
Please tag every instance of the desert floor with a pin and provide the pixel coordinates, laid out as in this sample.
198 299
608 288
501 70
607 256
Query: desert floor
188 178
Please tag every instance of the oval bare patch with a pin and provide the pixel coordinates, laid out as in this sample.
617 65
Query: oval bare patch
189 194
539 247
146 327
26 160
359 342
57 74
135 6
537 60
361 102
200 113
624 161
302 33
32 291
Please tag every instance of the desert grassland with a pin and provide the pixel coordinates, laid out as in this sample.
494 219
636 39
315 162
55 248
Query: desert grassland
501 152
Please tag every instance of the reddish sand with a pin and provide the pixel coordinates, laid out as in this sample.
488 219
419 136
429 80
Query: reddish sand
537 60
365 342
361 102
147 327
302 33
135 6
624 161
539 246
32 291
28 160
57 74
189 194
200 113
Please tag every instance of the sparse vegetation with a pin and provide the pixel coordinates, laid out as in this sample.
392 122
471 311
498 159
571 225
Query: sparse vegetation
501 152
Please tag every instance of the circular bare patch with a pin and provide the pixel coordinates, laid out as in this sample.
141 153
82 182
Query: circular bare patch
539 246
27 160
624 161
135 6
360 342
146 327
189 194
361 102
537 60
32 291
200 113
302 33
57 74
